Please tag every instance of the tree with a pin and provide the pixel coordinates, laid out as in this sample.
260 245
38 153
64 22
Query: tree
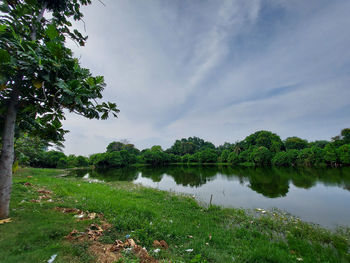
295 143
266 139
330 154
81 161
345 134
190 145
40 78
208 156
344 154
224 156
261 156
233 158
115 146
281 159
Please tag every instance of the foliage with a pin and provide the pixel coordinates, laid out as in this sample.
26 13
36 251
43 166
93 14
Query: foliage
261 156
208 156
233 158
344 154
266 139
35 60
190 145
294 152
224 156
295 143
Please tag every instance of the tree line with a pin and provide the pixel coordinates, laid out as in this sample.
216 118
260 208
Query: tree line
262 148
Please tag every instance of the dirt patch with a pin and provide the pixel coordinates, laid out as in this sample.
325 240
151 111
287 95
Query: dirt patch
108 253
103 252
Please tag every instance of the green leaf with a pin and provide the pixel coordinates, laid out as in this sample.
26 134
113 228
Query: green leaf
2 28
51 32
4 56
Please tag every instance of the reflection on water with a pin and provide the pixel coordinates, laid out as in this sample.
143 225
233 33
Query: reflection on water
317 195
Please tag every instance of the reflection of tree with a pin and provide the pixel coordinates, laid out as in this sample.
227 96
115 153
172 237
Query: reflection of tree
192 175
184 175
154 173
268 183
115 174
79 172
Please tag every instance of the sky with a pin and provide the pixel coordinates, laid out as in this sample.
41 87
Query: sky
218 70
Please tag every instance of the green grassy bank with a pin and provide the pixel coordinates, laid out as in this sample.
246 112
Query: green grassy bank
193 233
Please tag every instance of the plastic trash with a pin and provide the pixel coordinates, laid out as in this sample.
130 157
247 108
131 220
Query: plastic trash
52 259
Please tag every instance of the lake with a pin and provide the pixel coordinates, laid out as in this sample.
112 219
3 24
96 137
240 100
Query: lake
320 196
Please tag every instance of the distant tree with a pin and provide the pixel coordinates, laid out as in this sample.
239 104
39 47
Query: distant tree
28 149
62 163
226 146
261 156
295 143
267 139
81 161
127 158
224 156
293 156
311 156
233 158
190 145
194 158
156 148
331 154
244 156
344 154
345 135
281 159
130 148
50 159
208 156
185 158
115 146
320 144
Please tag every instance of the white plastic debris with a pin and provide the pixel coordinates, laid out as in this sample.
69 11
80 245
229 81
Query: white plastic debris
156 250
189 250
52 259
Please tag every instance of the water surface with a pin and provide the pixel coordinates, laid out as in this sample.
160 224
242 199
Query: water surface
320 196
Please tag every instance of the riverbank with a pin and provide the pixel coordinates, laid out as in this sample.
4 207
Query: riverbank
193 233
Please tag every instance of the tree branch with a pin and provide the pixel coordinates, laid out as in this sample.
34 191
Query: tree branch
40 16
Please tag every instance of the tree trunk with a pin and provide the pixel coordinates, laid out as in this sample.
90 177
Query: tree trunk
7 154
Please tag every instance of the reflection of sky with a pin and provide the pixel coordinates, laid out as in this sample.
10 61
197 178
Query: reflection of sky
325 205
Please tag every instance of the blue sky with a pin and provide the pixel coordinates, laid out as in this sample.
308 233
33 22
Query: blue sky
219 70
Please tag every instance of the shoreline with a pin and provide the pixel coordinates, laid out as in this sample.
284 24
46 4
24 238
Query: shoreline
210 234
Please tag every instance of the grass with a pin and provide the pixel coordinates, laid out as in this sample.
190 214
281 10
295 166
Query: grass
215 234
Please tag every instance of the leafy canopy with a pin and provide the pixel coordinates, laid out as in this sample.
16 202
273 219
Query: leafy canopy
35 61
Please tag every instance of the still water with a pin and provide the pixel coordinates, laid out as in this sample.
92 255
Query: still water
321 196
